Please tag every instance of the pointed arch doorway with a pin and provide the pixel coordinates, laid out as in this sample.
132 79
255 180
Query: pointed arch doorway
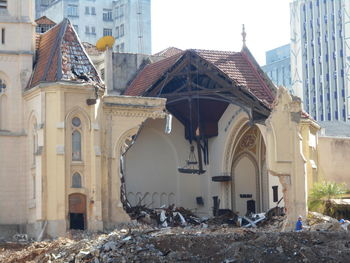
249 183
77 211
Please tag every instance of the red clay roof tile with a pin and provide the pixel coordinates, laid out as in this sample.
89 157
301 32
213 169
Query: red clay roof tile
44 21
236 65
61 56
168 52
150 74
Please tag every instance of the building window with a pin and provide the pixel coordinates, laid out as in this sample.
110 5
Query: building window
43 28
34 144
103 74
3 4
116 12
87 10
73 10
107 32
76 139
76 180
76 28
117 32
2 86
121 30
3 106
121 10
107 15
93 11
76 146
93 30
87 30
275 193
3 36
122 49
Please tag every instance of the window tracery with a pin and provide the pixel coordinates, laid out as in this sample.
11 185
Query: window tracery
76 180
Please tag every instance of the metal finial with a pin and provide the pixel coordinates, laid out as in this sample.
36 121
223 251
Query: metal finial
244 35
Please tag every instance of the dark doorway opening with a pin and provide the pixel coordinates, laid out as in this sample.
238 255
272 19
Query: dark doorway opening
76 221
250 207
77 211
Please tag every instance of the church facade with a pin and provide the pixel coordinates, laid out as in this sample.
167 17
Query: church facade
205 130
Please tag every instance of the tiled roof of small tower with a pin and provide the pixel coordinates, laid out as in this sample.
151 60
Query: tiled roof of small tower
238 66
168 52
44 21
61 57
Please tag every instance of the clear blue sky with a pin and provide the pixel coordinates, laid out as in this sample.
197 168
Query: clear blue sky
217 24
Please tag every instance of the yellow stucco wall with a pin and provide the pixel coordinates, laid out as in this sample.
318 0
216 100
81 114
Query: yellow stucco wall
334 164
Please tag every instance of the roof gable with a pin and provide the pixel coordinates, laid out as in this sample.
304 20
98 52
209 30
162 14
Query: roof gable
237 66
61 56
44 21
150 74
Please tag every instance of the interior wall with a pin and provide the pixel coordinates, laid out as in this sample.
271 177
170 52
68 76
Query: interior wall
151 173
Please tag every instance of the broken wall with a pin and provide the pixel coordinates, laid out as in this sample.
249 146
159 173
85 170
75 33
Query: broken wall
287 128
121 119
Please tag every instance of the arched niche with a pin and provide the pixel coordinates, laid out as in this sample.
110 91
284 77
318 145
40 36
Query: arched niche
245 183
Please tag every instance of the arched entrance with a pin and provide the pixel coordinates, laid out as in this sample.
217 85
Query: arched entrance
249 178
77 211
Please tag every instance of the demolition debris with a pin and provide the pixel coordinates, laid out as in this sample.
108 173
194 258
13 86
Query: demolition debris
142 243
194 240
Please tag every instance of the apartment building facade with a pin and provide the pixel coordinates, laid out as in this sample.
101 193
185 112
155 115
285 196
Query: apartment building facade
319 57
128 21
278 66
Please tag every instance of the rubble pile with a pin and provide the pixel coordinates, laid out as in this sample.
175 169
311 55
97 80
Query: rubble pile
178 216
320 222
193 240
164 217
140 243
190 244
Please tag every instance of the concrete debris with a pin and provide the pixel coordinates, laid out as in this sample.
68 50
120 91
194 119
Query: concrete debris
320 222
143 243
179 216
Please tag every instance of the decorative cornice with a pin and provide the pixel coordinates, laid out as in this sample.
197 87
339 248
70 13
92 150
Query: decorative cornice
127 106
136 113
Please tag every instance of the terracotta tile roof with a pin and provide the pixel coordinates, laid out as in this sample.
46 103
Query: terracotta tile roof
61 56
168 52
150 74
44 21
236 65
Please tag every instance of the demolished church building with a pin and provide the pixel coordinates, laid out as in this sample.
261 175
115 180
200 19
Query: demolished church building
206 130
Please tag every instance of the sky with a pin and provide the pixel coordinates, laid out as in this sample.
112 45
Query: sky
217 25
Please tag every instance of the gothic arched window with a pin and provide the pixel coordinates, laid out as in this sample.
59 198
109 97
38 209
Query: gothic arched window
3 113
76 139
2 86
76 180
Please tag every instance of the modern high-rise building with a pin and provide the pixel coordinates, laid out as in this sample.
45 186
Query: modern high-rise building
278 66
128 21
320 52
